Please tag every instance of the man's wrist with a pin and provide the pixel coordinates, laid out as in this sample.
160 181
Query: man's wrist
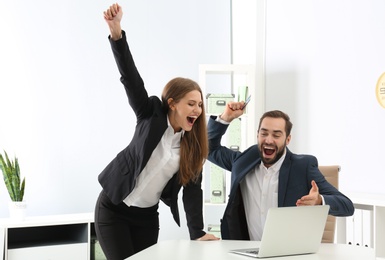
225 118
221 120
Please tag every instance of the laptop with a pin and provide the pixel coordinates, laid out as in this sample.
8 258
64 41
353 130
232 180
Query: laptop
290 231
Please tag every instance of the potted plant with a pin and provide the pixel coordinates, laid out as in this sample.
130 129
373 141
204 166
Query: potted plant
14 185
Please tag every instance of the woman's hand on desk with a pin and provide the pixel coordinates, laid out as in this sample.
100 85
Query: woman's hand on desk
207 237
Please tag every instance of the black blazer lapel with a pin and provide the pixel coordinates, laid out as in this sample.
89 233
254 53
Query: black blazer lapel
284 173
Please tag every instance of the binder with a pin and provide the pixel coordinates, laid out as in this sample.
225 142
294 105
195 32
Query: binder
217 184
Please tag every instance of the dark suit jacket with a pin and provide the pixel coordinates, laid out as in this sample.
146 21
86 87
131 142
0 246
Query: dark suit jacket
295 176
119 177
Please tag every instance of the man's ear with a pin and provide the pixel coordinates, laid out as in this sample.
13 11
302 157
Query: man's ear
288 140
170 103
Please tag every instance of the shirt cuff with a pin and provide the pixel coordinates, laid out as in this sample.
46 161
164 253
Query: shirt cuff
323 200
220 120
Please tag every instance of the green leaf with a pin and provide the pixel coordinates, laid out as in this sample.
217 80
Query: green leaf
11 174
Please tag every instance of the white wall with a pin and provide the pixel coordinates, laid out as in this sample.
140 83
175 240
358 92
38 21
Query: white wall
322 62
64 112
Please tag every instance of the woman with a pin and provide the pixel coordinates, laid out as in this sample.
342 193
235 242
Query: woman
167 152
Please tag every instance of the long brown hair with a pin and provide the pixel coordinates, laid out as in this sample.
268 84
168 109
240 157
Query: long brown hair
194 144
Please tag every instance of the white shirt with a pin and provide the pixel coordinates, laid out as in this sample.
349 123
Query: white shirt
162 165
260 192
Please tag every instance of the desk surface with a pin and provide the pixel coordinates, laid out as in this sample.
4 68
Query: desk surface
202 250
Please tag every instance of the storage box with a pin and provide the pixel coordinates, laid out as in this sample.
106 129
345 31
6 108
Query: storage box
217 184
96 250
216 102
233 133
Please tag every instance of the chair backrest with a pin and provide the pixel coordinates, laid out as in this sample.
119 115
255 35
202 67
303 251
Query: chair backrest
331 175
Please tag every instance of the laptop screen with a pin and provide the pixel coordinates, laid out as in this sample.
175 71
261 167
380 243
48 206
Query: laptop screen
291 231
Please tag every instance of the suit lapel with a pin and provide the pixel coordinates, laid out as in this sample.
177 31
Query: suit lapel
239 176
156 126
284 178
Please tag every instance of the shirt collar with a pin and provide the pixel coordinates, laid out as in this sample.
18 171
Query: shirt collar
170 127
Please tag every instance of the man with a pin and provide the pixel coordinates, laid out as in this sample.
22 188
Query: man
267 175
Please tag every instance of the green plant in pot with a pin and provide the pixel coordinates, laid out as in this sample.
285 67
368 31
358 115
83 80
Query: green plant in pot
12 179
15 186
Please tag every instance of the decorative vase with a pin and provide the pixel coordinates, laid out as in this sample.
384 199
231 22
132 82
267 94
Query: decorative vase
17 210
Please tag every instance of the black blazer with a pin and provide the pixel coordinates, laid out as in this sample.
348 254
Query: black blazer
119 177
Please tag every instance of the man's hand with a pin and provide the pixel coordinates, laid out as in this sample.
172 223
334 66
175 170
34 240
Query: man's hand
113 16
207 237
232 111
314 198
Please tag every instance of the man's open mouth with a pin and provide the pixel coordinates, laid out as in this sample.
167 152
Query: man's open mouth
268 150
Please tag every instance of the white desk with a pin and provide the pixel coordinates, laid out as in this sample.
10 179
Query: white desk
209 250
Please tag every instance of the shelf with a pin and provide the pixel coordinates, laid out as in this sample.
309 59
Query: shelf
241 133
207 203
240 75
57 237
375 205
57 252
47 235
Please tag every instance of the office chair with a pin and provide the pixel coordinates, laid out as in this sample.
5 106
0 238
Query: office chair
331 175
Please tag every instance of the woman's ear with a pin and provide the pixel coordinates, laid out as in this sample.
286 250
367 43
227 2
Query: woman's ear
170 103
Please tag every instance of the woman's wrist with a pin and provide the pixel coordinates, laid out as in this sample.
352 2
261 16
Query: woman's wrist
115 32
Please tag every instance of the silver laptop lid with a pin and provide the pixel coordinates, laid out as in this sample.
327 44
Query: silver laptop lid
293 230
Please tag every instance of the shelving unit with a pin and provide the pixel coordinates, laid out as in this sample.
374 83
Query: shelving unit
229 77
59 237
375 205
238 75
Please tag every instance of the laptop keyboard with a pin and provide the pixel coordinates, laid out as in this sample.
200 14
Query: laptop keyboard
252 252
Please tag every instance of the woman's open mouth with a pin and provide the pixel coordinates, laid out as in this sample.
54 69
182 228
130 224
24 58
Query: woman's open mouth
191 119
